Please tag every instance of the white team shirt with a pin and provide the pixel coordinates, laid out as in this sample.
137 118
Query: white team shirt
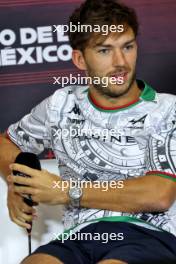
95 144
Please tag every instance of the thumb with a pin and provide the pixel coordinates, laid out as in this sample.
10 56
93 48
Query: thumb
10 186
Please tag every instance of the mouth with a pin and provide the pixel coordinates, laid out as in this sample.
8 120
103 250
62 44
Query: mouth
120 77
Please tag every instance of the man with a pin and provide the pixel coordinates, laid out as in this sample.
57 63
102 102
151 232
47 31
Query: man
136 157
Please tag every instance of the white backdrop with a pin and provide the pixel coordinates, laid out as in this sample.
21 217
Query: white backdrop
13 239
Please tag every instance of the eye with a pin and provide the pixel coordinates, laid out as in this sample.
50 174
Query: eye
129 47
103 51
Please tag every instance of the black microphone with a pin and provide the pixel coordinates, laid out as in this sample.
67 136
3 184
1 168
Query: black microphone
31 160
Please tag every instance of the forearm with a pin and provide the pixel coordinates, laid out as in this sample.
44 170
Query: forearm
8 153
150 193
144 194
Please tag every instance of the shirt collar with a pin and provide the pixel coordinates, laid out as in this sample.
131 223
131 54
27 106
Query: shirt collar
148 93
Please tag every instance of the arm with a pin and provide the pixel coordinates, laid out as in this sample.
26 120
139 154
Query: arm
149 193
8 153
154 192
30 134
16 206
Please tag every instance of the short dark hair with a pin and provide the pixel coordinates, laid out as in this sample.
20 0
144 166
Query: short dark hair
100 12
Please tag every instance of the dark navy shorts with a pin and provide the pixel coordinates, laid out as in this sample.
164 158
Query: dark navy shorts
129 243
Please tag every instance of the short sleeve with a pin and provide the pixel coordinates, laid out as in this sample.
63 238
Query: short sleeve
31 133
161 156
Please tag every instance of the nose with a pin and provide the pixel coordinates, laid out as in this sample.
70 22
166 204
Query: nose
118 58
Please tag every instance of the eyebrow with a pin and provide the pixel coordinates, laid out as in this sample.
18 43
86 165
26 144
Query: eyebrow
110 46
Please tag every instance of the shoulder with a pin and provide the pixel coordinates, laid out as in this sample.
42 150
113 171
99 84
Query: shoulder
163 115
166 98
166 103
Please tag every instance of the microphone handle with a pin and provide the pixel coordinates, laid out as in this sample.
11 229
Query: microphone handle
30 160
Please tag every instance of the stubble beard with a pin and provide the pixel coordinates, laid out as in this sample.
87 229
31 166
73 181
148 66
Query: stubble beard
106 90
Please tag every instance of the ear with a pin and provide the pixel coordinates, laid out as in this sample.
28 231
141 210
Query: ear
78 60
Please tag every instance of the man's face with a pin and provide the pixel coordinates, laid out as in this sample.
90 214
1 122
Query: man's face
115 57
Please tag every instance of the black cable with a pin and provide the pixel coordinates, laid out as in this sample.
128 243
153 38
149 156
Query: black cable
29 243
29 231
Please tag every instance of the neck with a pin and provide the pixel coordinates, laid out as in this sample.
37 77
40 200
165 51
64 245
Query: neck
109 102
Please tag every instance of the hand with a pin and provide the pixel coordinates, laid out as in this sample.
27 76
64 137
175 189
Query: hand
19 211
39 185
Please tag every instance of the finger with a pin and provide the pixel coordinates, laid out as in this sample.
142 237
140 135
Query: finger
9 179
10 187
21 223
24 190
25 169
11 215
25 217
28 209
18 221
22 215
21 180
